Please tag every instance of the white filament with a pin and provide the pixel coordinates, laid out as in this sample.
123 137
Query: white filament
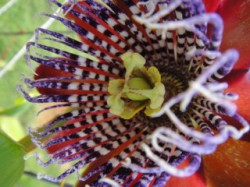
185 172
109 181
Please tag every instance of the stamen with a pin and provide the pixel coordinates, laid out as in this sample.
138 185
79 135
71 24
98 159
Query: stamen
143 88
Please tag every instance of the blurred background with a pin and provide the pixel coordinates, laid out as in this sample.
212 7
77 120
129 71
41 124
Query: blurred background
18 20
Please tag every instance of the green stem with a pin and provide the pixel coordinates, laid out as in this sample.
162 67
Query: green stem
27 144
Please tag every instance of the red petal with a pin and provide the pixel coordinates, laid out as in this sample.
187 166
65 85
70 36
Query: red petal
236 16
239 83
42 72
212 5
48 72
229 166
233 122
196 180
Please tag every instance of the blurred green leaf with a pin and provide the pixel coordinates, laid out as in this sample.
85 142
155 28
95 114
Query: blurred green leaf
16 110
12 127
11 161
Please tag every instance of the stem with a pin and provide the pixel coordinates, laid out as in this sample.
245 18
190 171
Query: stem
27 144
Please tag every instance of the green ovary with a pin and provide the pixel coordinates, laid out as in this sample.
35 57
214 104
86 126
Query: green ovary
140 89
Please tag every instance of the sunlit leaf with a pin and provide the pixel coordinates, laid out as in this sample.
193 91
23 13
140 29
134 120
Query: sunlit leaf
12 127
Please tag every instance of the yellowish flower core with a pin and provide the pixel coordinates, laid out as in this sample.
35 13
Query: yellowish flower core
140 89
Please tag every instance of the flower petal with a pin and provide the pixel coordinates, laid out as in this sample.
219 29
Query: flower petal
196 180
239 83
212 5
236 18
43 71
229 165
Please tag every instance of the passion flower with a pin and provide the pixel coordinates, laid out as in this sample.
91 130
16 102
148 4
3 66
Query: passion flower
143 87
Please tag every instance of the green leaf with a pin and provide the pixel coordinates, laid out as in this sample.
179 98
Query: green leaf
12 127
16 110
11 161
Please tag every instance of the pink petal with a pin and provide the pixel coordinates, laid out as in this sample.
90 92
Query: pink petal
236 16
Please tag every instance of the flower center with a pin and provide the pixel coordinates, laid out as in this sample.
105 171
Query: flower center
140 89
